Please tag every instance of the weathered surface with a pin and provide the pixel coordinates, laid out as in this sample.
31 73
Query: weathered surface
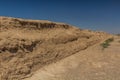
27 45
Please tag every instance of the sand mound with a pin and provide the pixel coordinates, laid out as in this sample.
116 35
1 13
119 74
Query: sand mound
27 45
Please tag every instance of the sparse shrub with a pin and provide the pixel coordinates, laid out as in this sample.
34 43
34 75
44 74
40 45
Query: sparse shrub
109 40
106 43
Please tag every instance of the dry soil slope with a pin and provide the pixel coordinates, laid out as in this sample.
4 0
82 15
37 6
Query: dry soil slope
28 45
90 64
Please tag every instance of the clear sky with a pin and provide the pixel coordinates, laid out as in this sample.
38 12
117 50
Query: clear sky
87 14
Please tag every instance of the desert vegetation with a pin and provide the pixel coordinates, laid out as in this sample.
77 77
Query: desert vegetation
106 43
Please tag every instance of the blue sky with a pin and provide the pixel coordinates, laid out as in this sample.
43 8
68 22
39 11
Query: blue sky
102 15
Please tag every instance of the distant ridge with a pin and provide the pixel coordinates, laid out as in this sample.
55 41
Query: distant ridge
17 22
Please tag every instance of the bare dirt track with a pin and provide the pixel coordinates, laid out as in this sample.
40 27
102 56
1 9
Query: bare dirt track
90 64
28 45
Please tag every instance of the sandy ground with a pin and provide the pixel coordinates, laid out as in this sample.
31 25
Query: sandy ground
90 64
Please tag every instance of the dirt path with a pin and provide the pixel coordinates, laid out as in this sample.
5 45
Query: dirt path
90 64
